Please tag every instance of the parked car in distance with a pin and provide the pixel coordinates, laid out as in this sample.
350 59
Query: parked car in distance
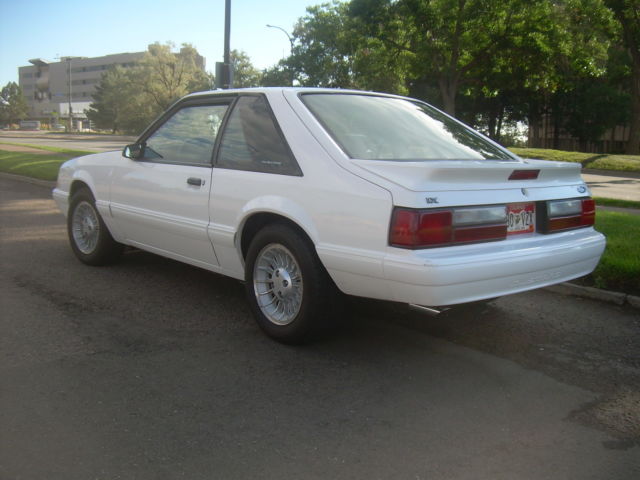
305 194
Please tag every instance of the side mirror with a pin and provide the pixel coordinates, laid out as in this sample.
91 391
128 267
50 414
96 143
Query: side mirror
133 151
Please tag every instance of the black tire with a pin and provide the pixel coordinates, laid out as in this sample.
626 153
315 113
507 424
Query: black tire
282 269
89 237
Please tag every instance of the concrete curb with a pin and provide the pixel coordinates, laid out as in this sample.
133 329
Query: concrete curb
32 181
595 294
611 173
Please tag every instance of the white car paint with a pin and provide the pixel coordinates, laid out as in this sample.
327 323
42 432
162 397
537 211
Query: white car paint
344 206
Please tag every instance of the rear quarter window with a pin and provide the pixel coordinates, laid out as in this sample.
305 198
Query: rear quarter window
252 141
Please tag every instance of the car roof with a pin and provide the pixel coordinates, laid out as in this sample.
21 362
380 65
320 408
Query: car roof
297 90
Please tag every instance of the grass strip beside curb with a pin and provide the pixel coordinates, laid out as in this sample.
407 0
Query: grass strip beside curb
64 151
40 166
614 202
619 268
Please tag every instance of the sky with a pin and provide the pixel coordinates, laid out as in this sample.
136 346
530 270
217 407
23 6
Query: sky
90 28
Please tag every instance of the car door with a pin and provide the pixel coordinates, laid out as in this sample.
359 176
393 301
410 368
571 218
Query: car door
160 200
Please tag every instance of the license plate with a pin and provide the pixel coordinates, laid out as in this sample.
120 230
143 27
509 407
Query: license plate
521 218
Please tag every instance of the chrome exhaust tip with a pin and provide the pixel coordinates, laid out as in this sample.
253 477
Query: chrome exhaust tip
433 311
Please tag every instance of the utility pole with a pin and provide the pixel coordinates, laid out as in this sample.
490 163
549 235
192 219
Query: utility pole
68 60
70 108
224 73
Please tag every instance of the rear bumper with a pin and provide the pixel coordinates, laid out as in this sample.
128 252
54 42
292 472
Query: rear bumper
452 275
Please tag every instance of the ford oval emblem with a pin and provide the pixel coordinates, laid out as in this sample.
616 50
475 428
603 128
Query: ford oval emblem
582 189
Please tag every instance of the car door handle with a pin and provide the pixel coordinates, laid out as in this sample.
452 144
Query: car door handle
195 181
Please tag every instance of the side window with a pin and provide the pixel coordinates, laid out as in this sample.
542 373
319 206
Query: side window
188 136
251 141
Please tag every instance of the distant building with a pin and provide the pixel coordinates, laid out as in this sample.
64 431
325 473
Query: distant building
45 84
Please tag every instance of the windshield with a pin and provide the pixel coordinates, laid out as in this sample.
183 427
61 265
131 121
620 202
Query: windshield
372 127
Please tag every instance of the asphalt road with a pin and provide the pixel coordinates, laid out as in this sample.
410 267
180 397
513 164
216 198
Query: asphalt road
97 143
151 369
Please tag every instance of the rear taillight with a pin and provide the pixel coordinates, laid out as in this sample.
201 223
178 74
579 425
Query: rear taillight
570 214
412 228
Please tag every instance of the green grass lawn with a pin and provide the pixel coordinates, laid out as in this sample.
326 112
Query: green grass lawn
42 166
614 202
619 269
623 163
63 151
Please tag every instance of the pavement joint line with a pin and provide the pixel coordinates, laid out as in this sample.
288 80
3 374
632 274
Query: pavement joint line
563 288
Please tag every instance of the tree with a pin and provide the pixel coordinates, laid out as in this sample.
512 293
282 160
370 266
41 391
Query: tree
446 39
13 106
128 100
323 53
276 76
164 76
109 108
557 47
627 13
593 107
479 47
244 73
332 50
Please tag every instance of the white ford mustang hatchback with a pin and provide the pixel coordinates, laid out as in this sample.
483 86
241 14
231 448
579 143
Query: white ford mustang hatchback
306 193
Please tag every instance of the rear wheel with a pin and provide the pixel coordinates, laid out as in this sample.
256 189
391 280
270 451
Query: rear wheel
291 295
90 239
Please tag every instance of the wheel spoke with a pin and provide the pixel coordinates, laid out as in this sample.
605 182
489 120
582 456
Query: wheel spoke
85 227
277 269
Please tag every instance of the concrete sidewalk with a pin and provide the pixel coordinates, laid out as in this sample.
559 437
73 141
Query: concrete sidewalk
619 186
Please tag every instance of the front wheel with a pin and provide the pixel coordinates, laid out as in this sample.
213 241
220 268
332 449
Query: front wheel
290 293
90 239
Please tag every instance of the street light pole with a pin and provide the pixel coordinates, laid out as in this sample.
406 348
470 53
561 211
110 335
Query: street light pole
224 75
68 60
290 43
69 80
227 81
286 33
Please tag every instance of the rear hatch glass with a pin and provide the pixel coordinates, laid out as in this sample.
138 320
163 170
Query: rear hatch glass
371 127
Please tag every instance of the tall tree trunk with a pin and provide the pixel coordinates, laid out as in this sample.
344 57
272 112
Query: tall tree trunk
533 121
499 126
491 125
448 91
556 115
633 145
